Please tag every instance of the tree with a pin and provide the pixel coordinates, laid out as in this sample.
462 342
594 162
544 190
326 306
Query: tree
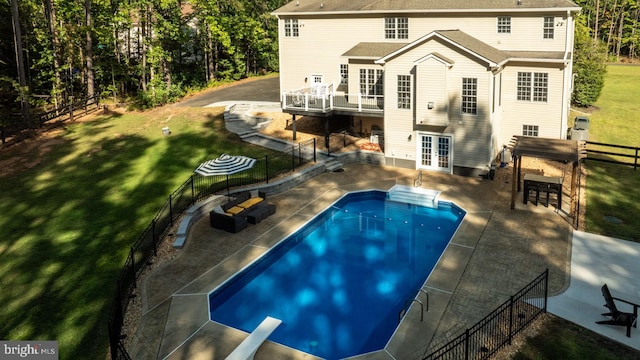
22 78
589 65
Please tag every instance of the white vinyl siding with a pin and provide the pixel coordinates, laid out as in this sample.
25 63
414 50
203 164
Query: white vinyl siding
470 136
325 39
515 113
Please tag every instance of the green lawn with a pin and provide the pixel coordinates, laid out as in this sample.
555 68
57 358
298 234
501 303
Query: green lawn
614 190
69 219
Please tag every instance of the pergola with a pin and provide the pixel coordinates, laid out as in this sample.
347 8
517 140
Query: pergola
544 148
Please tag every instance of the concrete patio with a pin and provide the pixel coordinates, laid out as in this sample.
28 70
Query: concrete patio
495 253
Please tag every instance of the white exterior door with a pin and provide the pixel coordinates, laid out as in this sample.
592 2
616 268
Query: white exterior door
435 152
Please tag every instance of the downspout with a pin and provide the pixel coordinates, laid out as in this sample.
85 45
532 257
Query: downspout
567 76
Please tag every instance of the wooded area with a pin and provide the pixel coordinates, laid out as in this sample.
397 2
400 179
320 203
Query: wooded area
154 50
151 50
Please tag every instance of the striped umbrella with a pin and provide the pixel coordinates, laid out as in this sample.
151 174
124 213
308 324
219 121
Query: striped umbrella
225 165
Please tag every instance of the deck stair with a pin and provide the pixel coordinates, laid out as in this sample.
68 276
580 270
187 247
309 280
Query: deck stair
414 195
248 348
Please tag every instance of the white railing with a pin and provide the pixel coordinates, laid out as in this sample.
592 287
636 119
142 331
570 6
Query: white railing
324 99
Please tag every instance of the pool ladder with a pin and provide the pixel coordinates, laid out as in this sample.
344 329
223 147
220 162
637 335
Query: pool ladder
407 305
418 181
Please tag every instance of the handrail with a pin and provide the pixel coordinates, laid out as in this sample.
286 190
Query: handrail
418 182
403 311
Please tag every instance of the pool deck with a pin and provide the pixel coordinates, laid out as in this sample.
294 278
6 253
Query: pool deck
495 252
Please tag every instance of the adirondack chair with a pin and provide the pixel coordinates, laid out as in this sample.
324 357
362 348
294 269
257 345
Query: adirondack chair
618 317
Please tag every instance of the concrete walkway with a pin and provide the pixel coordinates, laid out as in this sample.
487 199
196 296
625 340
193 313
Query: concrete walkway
496 252
598 260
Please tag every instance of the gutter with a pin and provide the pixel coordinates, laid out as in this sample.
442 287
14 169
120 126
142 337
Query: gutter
427 11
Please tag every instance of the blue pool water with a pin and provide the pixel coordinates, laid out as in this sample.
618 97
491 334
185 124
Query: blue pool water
339 282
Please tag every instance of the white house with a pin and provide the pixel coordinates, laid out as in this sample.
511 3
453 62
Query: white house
445 83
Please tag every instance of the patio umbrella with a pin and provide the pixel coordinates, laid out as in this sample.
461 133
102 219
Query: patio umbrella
225 165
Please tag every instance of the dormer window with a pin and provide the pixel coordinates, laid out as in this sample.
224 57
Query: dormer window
396 28
504 24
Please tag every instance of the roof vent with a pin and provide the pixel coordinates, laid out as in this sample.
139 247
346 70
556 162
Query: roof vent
519 2
297 3
321 5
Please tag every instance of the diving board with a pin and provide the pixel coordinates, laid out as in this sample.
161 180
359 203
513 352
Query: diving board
414 195
248 348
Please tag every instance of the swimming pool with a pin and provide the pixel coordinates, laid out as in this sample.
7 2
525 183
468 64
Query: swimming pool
339 282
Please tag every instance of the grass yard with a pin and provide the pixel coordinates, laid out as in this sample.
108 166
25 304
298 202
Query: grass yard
72 206
614 190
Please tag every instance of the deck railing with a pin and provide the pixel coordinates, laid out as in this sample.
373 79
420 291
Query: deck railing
322 101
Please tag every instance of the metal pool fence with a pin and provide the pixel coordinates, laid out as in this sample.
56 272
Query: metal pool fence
498 328
196 188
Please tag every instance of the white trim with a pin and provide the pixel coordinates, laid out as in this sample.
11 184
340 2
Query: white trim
430 11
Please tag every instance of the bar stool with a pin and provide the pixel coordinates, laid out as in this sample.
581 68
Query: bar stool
533 187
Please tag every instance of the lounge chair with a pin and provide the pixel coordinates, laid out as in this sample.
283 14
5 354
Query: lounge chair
618 317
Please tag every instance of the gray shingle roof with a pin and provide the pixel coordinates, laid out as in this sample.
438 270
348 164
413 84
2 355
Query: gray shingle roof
391 6
373 50
384 51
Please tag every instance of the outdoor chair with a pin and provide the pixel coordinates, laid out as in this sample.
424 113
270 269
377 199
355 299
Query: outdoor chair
618 317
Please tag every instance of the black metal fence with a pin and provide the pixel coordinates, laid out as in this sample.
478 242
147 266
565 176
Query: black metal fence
196 188
498 328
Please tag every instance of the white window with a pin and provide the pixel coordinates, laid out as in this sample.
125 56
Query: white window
344 74
371 82
396 28
504 24
404 91
469 96
548 27
529 130
533 86
291 28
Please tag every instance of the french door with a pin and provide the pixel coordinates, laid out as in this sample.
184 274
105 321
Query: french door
435 152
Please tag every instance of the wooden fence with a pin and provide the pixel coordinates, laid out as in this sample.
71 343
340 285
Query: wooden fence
613 154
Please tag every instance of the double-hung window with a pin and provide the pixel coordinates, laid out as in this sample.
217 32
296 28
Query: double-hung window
404 91
396 28
469 96
533 86
344 74
371 82
548 27
504 24
291 28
